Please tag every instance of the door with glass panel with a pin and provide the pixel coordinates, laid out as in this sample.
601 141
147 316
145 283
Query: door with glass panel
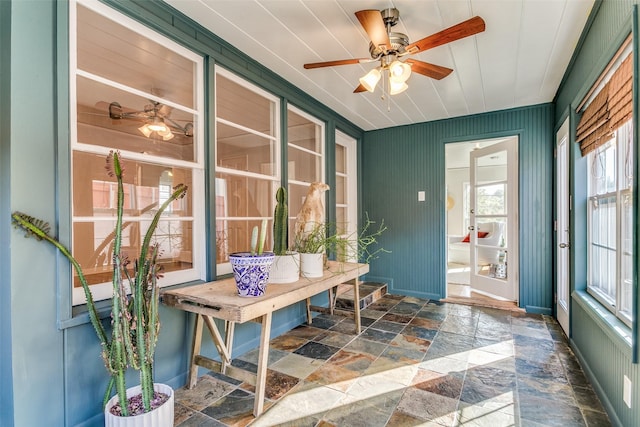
562 226
493 217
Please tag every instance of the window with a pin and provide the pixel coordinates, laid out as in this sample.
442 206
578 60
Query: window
610 223
605 135
346 189
247 163
125 79
306 157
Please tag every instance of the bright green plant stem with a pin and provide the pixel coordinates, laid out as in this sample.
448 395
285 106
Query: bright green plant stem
135 322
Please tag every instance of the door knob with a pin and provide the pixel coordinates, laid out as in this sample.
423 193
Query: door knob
564 245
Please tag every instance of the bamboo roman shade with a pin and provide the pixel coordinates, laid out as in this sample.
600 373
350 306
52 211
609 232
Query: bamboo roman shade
609 110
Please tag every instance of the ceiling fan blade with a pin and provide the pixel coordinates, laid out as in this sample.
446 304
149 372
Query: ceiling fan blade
334 63
371 21
430 70
359 89
464 29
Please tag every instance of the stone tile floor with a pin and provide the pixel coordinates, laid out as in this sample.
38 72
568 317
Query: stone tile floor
416 363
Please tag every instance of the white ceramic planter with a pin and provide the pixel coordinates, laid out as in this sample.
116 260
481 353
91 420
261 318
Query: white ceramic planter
311 265
159 417
285 268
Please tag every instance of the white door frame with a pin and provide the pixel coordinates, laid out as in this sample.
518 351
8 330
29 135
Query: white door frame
561 225
507 288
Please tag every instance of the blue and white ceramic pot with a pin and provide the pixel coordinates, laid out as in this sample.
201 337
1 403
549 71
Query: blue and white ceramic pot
251 272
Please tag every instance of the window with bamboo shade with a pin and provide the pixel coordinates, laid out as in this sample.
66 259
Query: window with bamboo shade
612 106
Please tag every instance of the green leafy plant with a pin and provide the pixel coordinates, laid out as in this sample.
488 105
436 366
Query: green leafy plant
324 238
134 316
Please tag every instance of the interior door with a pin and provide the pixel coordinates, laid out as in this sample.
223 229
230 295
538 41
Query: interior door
562 226
493 218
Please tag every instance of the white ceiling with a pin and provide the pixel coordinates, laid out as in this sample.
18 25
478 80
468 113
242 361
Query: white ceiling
519 60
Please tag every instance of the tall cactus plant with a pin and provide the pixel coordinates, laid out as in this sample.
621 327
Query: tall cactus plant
280 219
134 316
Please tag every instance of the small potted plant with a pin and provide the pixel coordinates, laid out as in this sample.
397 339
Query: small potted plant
323 238
134 316
286 265
312 246
251 269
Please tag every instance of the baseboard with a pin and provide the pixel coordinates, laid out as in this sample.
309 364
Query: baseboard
538 310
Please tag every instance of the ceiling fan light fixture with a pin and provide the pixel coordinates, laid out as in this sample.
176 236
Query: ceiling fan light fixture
400 71
370 80
145 130
396 87
158 125
166 135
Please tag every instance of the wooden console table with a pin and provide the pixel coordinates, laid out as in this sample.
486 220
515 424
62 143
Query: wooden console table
220 300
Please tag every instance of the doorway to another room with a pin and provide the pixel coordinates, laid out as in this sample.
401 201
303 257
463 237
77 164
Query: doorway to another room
482 217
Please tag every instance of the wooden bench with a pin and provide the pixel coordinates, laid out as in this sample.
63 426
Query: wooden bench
220 300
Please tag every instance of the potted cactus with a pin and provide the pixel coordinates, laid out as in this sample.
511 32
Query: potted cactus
134 316
286 266
251 269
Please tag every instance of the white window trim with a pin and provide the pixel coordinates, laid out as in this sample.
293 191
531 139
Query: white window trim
351 175
198 272
619 193
323 142
225 268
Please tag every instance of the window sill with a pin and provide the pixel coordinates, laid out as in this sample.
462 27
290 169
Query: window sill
615 329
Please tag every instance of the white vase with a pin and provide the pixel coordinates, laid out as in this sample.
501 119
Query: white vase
285 268
159 417
311 265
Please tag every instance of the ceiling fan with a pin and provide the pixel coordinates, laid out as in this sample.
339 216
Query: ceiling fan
390 47
156 118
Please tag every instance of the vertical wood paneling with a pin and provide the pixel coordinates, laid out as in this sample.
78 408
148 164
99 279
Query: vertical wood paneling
612 16
399 162
606 361
607 364
6 375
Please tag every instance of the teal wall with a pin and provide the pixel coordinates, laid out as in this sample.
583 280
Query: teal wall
6 393
604 355
398 162
58 371
50 364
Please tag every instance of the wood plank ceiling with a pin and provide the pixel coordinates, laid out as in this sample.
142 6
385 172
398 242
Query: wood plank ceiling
518 61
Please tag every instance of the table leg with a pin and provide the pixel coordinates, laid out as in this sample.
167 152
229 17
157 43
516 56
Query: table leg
309 318
263 360
223 350
332 301
356 305
229 328
195 351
